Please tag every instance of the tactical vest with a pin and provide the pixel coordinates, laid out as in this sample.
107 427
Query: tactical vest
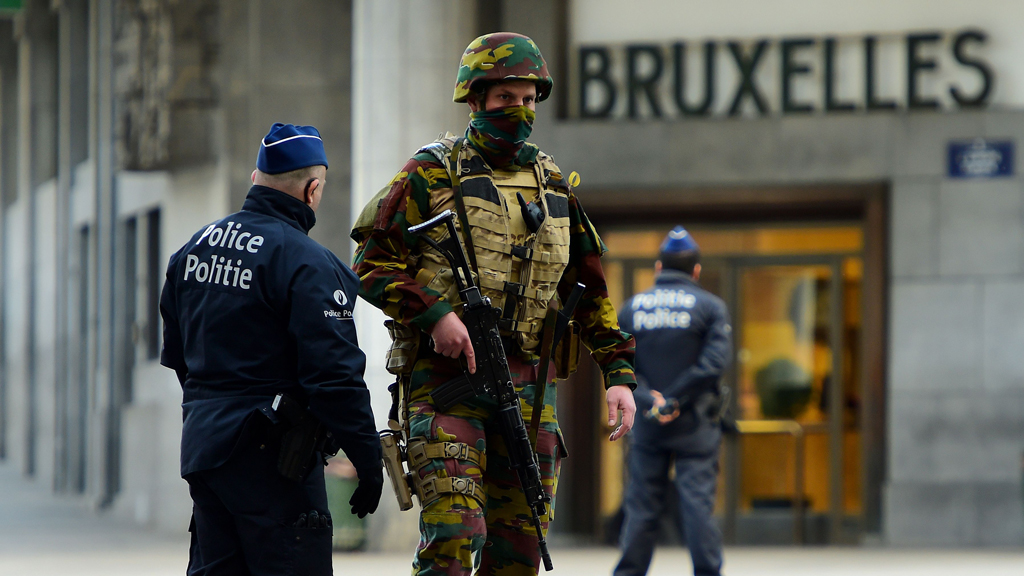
518 270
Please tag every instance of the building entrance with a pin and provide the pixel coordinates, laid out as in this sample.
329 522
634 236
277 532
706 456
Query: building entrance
800 391
793 473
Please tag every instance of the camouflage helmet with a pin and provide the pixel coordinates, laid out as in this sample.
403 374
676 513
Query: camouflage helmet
502 56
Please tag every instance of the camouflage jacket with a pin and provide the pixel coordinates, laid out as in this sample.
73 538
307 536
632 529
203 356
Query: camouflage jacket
388 281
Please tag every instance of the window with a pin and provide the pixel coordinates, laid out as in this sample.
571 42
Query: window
154 281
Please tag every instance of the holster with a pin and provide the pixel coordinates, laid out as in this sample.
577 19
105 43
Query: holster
301 436
702 404
394 456
403 462
726 419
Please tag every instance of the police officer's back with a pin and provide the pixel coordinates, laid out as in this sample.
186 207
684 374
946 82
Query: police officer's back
683 343
253 308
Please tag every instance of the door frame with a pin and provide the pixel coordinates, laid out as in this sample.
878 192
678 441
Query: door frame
733 268
865 203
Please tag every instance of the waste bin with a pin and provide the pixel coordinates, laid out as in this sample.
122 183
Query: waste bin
349 529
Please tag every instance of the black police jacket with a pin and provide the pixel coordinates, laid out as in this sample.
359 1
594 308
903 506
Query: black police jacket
683 344
253 307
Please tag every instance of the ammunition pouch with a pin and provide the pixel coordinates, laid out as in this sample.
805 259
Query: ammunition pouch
405 342
566 356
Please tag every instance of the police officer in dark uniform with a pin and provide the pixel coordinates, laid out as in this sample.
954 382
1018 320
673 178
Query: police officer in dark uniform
682 346
253 309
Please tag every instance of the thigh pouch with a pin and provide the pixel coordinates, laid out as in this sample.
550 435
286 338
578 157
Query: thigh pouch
431 487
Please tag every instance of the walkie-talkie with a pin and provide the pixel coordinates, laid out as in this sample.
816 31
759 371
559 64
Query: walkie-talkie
532 213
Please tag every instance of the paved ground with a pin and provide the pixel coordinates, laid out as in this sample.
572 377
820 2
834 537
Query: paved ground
41 535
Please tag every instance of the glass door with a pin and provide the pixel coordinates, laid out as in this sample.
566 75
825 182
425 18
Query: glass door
795 462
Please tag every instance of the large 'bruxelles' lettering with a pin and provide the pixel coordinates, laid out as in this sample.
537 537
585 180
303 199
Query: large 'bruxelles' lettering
644 66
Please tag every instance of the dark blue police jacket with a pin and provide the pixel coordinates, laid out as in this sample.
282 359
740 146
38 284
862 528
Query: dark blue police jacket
683 344
253 307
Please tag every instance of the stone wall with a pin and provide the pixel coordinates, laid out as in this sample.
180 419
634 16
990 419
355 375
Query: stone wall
955 382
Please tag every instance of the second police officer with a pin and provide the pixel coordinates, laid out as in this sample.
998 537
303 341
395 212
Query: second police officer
253 308
683 343
474 515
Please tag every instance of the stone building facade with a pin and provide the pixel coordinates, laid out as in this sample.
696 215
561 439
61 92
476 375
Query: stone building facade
125 125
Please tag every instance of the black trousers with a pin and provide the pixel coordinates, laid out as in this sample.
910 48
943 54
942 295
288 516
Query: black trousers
244 515
696 481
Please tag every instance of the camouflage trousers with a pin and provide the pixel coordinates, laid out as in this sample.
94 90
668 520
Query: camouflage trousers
458 534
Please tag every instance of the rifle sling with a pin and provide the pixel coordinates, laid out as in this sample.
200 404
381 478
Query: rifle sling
460 204
555 324
541 386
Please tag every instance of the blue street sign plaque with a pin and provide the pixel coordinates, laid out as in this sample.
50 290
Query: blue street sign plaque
980 158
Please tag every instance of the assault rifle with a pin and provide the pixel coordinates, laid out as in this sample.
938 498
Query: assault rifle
492 376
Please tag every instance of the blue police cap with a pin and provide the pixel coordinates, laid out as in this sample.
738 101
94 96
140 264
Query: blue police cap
678 240
288 147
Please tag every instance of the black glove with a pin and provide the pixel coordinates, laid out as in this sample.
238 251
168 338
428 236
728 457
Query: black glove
367 495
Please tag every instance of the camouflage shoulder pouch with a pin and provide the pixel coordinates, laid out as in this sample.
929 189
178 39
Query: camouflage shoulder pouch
364 223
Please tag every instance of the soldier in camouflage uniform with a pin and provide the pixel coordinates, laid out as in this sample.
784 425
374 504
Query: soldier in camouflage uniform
483 524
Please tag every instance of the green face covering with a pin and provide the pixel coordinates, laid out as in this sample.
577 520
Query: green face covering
500 134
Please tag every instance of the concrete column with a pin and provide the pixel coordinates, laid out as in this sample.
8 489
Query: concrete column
8 191
62 225
22 383
405 60
71 90
36 121
45 292
102 301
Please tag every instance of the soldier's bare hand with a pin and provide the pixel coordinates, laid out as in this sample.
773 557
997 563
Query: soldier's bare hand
451 339
620 399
